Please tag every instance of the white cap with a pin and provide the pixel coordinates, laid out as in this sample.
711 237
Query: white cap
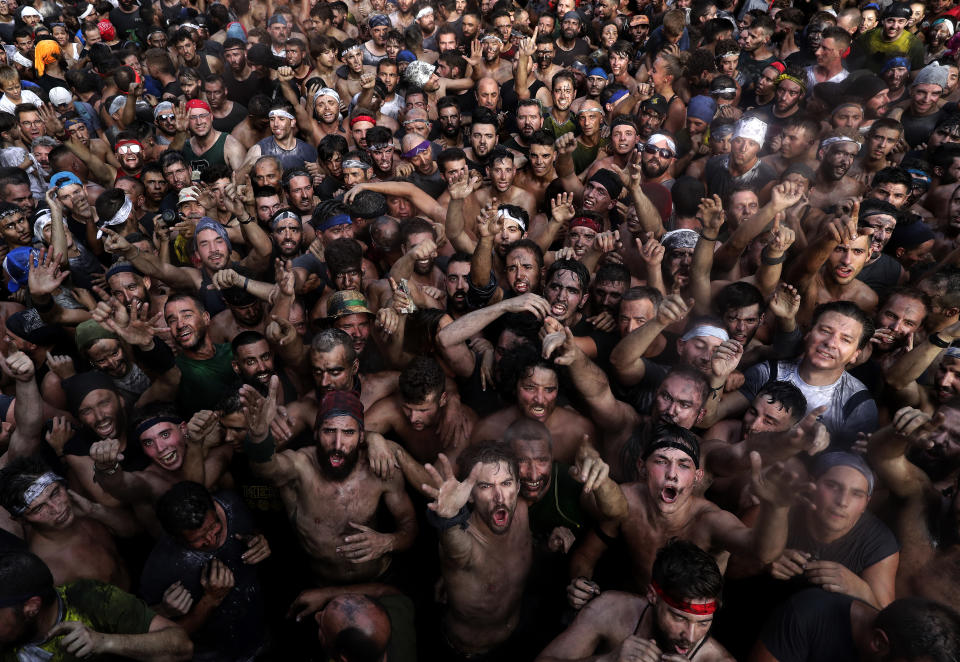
30 11
752 128
60 95
87 12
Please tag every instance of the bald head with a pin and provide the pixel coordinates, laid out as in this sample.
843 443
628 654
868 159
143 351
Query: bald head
354 628
488 93
410 141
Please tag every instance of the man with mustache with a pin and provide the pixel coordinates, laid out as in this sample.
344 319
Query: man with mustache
458 284
328 489
672 618
742 166
255 362
881 272
837 153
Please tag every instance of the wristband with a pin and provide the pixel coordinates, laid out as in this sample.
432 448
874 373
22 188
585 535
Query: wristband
937 341
444 523
259 452
771 261
703 236
249 219
107 472
246 281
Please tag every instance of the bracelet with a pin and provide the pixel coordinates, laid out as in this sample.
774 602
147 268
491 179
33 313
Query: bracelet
131 259
444 523
107 472
772 261
246 281
937 341
703 236
248 217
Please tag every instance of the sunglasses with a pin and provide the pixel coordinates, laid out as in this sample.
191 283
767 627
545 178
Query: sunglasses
662 151
128 149
166 118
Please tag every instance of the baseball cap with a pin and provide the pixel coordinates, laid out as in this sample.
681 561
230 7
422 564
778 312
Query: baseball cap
347 302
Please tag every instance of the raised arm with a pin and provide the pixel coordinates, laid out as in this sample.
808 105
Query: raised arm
601 494
783 196
627 357
420 199
887 451
711 215
610 414
911 365
449 507
460 189
776 488
259 446
28 414
101 170
149 265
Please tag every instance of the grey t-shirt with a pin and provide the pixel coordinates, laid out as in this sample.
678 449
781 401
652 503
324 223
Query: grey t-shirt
850 407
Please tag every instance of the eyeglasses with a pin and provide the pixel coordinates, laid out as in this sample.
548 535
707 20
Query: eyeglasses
128 149
662 151
166 118
200 116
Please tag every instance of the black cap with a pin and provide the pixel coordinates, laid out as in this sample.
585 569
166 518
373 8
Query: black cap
657 103
898 10
260 54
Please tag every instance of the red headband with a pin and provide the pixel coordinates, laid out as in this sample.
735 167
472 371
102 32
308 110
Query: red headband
779 66
362 118
198 103
700 609
585 222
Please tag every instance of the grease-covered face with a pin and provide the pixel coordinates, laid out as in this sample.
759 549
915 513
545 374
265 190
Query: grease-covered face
494 496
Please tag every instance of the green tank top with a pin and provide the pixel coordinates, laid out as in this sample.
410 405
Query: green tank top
213 156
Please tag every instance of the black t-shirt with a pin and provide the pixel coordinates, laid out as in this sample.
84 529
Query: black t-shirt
566 58
126 23
230 122
235 628
240 91
814 626
868 542
604 340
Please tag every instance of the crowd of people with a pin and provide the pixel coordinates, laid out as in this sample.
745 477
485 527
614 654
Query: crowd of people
361 330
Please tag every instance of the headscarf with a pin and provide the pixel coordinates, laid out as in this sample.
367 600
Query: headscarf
44 53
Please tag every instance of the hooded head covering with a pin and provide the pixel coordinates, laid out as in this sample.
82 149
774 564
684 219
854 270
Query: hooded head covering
44 53
932 74
207 223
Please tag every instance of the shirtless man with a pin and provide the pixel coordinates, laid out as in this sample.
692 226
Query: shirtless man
540 170
414 413
503 188
175 449
926 567
827 269
882 138
330 494
665 505
352 56
72 535
535 385
485 551
99 148
797 139
490 64
334 365
622 146
671 620
836 154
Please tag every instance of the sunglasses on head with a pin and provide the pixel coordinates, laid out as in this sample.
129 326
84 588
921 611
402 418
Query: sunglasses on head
662 151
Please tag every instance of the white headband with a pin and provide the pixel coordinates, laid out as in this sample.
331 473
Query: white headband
119 218
659 136
426 11
87 11
705 330
505 214
752 128
280 112
355 163
35 489
355 47
326 92
833 140
490 36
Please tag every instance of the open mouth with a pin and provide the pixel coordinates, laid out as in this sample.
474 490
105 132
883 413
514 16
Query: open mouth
538 411
558 309
843 272
184 335
336 459
168 458
521 286
104 429
669 494
825 355
531 486
500 516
